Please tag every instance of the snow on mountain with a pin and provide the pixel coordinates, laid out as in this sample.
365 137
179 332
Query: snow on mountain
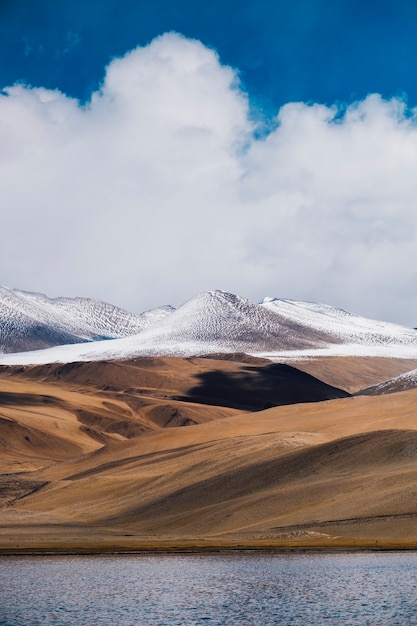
30 321
346 327
399 383
219 322
229 323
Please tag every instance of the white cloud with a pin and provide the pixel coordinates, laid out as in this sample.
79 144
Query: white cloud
156 190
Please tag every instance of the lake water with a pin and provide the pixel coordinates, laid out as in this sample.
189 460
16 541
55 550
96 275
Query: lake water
214 590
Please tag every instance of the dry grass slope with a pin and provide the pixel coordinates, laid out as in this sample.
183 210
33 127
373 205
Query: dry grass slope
126 456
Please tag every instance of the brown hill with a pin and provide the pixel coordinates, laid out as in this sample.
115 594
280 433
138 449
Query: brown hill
354 373
83 406
333 473
403 382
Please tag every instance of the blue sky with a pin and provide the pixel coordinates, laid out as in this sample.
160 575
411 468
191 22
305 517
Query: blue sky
308 50
153 150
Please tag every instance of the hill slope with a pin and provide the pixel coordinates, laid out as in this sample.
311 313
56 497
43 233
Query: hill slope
30 321
219 322
403 382
335 473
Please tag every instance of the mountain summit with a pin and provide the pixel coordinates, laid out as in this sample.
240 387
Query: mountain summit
209 323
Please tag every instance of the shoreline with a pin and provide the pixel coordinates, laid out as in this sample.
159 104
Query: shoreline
165 548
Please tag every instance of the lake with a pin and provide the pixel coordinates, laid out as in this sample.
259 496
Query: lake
218 589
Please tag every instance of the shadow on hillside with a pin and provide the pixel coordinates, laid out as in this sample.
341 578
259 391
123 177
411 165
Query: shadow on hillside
257 388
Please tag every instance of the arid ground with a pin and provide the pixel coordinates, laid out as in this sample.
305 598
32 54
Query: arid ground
206 453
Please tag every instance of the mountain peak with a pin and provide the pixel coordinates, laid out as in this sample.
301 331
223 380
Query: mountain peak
211 322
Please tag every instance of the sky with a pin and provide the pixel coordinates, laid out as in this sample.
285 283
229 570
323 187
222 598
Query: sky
152 151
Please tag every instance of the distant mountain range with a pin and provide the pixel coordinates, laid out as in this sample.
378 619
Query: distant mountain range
37 329
32 321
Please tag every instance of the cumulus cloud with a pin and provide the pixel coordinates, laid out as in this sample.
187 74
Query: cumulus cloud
158 189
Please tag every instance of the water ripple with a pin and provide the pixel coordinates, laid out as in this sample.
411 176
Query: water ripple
361 589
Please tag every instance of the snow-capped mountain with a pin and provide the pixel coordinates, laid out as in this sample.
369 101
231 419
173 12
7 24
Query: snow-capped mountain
220 322
343 326
30 321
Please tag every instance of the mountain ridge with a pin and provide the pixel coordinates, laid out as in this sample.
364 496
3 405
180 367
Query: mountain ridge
402 382
221 322
30 320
